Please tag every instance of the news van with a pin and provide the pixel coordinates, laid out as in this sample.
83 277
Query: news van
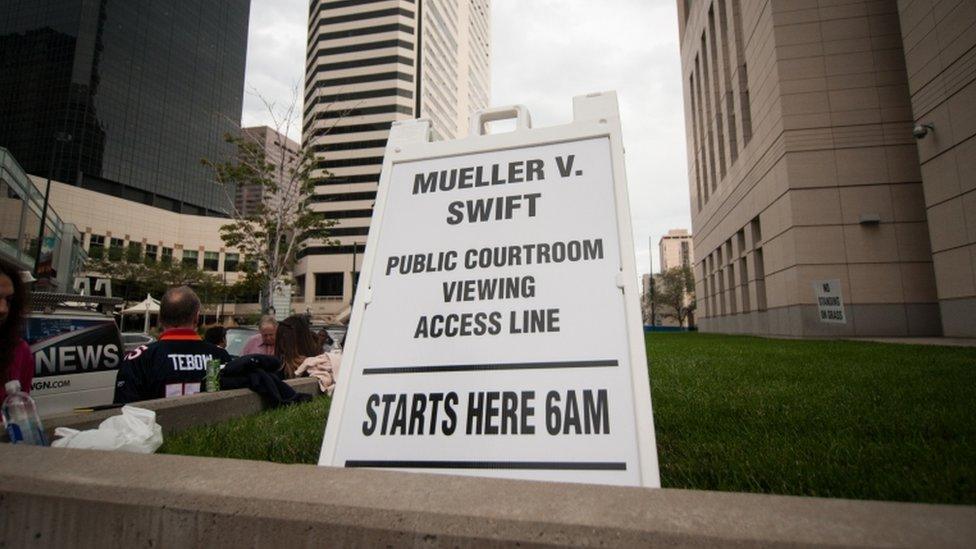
77 350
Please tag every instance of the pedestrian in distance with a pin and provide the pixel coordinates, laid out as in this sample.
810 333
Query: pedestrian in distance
263 342
16 360
176 364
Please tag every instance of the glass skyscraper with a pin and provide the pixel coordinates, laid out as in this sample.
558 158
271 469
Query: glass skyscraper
145 90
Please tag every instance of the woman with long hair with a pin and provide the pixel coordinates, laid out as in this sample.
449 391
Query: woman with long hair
16 360
294 342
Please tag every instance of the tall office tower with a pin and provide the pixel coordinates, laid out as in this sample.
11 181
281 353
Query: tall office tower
676 249
280 151
371 63
124 98
805 125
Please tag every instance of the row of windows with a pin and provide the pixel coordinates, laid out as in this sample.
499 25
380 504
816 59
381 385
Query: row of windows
346 214
356 128
344 197
332 250
349 231
351 145
359 79
347 162
364 78
365 94
314 8
713 99
727 277
365 111
362 31
357 48
359 16
347 179
367 62
135 252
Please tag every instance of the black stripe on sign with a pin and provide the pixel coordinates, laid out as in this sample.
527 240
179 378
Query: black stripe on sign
535 465
493 366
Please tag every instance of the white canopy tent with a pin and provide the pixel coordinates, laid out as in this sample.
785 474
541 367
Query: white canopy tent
148 306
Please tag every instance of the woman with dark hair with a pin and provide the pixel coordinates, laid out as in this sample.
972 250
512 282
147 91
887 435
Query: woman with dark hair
16 361
294 342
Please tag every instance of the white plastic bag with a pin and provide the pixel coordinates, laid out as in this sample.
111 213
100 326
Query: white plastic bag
135 430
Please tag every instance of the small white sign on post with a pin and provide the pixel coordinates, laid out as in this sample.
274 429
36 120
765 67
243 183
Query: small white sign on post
281 300
830 301
496 329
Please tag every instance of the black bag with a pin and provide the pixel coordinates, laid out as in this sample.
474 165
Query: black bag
261 374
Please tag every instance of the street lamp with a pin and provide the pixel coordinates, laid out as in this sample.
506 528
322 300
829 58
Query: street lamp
353 279
60 137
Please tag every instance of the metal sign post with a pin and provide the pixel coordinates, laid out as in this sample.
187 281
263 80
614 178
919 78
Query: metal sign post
496 329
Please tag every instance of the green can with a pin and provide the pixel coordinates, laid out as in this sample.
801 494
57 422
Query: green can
213 376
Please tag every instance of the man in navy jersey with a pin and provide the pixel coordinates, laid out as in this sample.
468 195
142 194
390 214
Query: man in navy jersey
176 364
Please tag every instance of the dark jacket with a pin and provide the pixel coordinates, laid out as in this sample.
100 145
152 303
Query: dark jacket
261 374
173 366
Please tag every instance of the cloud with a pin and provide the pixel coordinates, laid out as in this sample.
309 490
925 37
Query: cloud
275 60
544 52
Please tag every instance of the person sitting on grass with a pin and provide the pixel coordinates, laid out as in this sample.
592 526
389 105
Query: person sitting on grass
176 364
294 342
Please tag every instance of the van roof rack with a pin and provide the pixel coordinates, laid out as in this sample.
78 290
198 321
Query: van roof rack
45 300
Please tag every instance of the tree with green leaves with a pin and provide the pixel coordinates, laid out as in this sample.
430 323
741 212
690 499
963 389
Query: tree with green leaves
650 301
135 278
677 293
273 234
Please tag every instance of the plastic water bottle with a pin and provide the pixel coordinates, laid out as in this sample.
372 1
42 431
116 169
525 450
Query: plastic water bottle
20 417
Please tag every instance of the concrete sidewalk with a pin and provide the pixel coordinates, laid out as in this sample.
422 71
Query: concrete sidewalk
943 341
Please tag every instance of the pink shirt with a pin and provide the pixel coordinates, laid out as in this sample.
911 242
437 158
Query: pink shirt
255 346
22 368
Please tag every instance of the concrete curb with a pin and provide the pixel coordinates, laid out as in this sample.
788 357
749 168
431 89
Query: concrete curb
179 413
58 497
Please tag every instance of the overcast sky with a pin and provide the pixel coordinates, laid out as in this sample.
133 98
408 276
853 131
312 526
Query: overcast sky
544 52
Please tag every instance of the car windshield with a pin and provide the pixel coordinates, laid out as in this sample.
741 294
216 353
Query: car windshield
237 337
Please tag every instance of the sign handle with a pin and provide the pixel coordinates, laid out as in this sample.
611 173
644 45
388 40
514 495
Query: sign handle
479 118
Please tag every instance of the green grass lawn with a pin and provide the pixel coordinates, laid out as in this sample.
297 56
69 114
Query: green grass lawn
291 434
818 418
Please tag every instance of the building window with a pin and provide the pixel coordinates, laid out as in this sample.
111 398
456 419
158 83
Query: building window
167 255
211 261
329 286
250 264
744 285
231 262
152 251
756 227
133 253
190 258
115 249
760 269
298 291
96 246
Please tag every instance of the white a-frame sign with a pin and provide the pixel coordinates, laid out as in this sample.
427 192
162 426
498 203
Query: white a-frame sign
497 329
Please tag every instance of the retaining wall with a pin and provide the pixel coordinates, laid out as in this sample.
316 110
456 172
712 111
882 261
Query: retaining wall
85 498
